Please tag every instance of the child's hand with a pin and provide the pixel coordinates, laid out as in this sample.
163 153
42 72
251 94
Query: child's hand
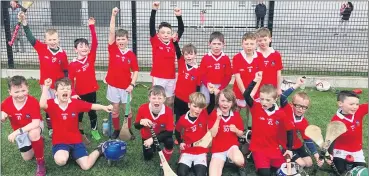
21 16
146 122
289 153
75 97
155 5
258 76
233 128
182 146
211 87
115 11
329 161
129 89
3 116
318 161
108 108
148 142
13 135
175 37
48 82
91 21
177 11
279 92
216 91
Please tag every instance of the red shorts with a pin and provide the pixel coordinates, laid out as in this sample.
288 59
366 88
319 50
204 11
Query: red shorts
264 160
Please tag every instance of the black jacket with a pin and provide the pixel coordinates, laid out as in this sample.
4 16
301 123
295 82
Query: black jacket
260 10
347 12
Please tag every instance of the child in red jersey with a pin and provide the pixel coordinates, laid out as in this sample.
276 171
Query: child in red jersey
188 79
296 112
158 116
24 114
267 118
245 64
226 126
53 59
121 62
82 75
64 117
351 113
272 73
163 53
190 128
215 66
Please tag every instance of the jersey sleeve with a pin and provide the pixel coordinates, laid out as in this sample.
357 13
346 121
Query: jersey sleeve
211 119
363 110
228 69
279 63
134 64
50 106
39 46
71 76
260 63
235 65
287 122
35 110
304 124
111 49
139 116
65 61
82 105
5 107
154 40
203 71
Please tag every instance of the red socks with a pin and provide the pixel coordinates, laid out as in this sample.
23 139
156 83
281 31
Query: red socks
129 119
38 149
167 154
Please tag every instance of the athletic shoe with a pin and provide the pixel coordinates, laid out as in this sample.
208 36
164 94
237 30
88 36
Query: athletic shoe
95 134
41 169
115 134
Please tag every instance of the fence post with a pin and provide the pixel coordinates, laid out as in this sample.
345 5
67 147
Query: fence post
134 26
8 33
270 17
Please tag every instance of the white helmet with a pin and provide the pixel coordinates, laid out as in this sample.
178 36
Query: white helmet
294 169
322 85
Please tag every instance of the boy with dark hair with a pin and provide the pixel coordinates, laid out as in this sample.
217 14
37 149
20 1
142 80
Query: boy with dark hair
63 112
53 59
24 114
82 75
215 67
158 116
272 73
163 53
119 78
245 64
267 118
351 113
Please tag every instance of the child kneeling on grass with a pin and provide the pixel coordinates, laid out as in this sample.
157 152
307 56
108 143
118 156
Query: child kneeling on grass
23 111
64 112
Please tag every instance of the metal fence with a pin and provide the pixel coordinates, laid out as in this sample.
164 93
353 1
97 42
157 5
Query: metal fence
304 32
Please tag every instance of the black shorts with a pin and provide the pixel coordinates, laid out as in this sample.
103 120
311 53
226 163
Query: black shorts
299 153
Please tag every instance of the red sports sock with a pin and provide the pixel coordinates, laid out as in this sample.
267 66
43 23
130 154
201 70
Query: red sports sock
167 154
38 149
129 120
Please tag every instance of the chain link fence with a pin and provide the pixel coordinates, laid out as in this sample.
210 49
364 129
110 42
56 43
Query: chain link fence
309 34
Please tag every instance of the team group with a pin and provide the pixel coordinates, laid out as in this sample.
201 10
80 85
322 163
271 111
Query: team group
199 97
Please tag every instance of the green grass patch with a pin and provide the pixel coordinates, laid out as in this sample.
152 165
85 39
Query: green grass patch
322 108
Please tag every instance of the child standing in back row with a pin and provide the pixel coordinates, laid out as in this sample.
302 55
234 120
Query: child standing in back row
121 62
215 66
163 53
53 59
272 73
82 75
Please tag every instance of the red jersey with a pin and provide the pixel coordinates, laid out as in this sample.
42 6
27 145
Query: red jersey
216 70
193 131
52 65
225 138
299 126
21 116
247 70
187 81
83 71
65 121
163 122
163 59
265 128
272 64
120 66
352 140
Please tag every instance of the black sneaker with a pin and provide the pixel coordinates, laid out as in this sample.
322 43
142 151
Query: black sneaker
242 171
115 134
